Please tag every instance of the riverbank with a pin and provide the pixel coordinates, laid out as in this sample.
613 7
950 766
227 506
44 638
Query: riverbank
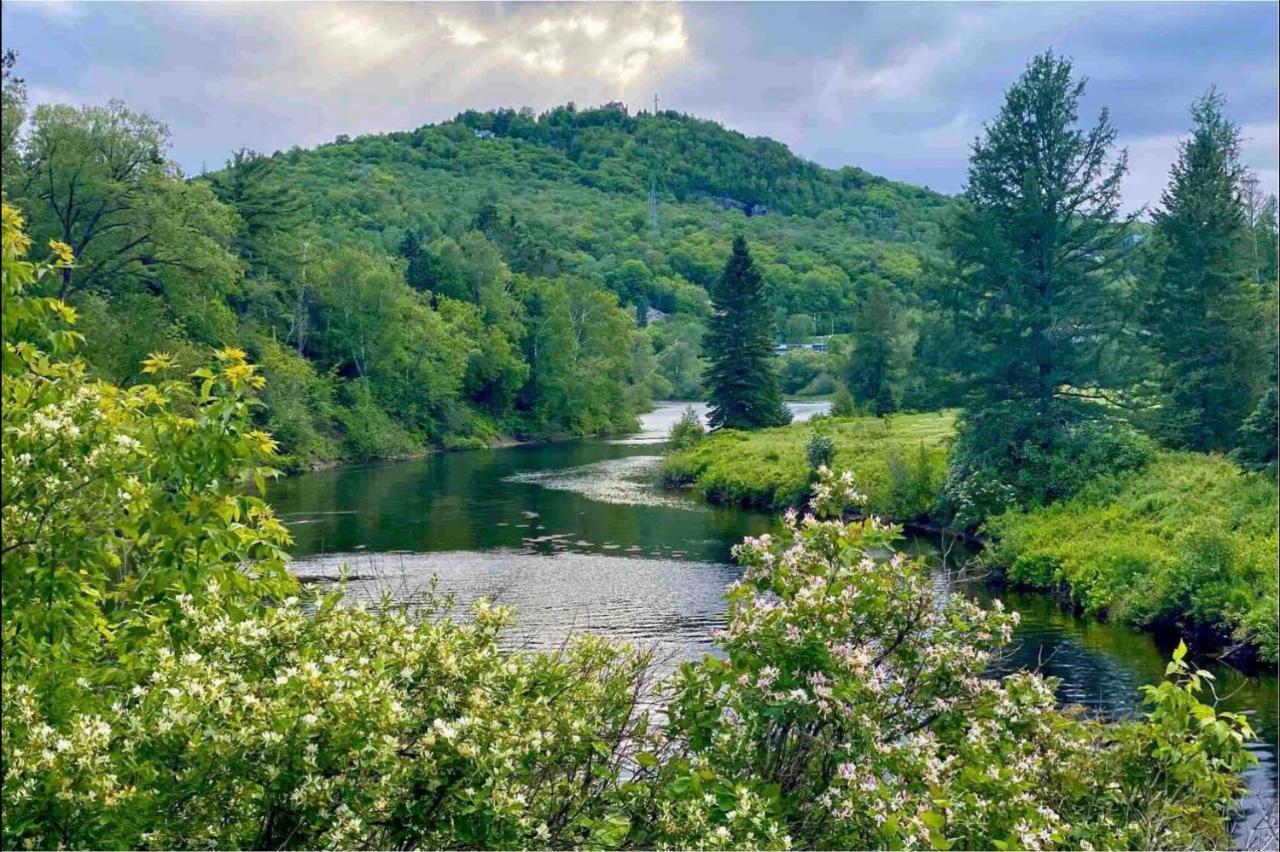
899 462
1187 544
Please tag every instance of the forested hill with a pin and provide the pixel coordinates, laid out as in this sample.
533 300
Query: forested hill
429 177
687 158
490 275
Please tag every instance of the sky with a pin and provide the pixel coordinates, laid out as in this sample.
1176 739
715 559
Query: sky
899 89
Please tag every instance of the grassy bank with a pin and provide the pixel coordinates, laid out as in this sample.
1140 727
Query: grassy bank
899 461
1189 541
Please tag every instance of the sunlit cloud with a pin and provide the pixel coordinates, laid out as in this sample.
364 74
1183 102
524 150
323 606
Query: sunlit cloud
899 89
462 33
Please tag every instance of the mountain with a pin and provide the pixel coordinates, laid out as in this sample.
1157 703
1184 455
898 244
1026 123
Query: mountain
493 275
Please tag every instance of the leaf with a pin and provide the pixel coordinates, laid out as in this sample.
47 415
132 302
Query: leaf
647 759
1180 651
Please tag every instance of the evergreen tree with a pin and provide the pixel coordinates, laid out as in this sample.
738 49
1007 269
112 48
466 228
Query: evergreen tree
1205 313
1257 449
1033 246
739 342
272 213
879 354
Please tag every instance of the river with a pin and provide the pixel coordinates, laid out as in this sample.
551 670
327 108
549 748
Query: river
578 537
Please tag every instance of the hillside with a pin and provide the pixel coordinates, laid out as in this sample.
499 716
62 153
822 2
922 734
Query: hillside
489 276
573 188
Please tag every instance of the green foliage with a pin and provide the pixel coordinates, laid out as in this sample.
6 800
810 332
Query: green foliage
769 469
1188 541
1034 248
805 372
881 351
1000 461
743 387
814 727
1205 314
118 499
843 404
687 431
1258 436
820 451
282 725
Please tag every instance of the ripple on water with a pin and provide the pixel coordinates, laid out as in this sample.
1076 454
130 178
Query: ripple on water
666 604
629 481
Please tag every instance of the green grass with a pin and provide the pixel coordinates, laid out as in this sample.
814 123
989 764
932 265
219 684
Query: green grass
899 462
1188 541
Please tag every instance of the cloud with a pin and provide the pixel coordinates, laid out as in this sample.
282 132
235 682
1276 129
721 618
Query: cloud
899 89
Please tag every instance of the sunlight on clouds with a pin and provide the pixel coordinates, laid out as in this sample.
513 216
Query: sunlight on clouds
603 47
362 38
461 33
567 41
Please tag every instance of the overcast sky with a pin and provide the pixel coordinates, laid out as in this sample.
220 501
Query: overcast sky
899 89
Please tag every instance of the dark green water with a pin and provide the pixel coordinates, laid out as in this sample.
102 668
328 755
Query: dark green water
577 537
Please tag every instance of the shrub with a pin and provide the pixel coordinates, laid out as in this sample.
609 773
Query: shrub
843 403
687 431
1188 541
998 462
849 711
820 451
1257 449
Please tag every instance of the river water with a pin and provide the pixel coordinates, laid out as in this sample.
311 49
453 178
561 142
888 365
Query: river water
578 537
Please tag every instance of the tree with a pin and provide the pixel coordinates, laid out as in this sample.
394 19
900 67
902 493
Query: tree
89 177
271 212
1205 314
1258 436
743 385
1033 247
879 352
13 111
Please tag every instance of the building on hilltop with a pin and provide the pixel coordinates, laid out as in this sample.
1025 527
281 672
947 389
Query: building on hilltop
616 106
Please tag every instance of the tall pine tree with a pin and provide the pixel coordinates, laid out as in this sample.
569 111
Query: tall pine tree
1205 313
739 343
1034 246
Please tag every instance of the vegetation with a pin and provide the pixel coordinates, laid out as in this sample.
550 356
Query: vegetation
1035 247
1204 302
438 289
901 461
687 431
744 390
495 275
162 688
1187 541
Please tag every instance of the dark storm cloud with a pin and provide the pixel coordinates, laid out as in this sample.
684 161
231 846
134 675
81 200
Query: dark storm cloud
899 89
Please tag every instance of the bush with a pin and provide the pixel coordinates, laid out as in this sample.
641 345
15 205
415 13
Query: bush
687 431
914 483
820 452
1189 541
814 730
1257 449
998 462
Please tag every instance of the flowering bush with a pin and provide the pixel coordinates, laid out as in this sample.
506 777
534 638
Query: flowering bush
851 711
163 689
